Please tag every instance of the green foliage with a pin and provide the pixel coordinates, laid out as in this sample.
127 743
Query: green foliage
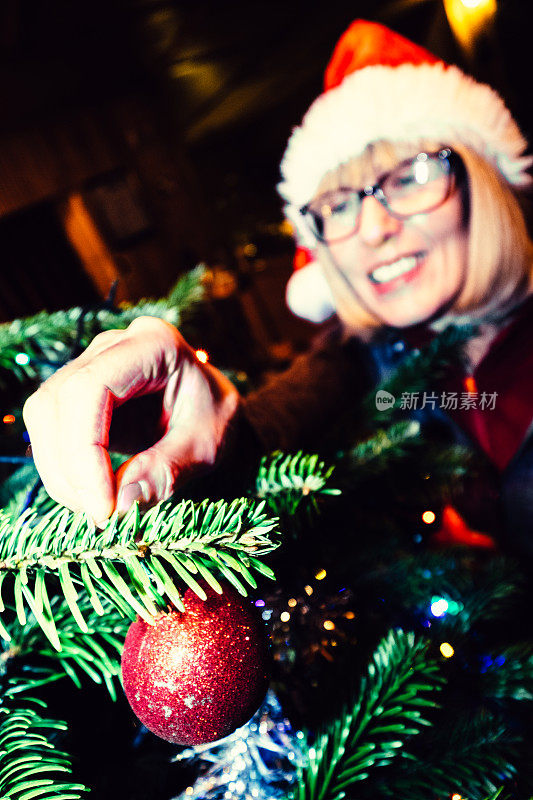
385 445
429 363
287 481
30 766
47 339
509 673
14 490
134 562
95 653
486 593
372 732
474 760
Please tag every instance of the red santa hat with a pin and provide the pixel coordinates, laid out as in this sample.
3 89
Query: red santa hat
381 86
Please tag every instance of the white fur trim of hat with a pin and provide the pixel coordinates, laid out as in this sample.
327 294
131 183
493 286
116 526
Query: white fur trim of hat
308 294
399 103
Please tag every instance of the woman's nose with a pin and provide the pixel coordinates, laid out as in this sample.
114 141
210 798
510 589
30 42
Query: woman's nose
376 225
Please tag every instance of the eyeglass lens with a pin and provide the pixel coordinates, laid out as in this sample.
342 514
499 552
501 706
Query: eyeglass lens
413 187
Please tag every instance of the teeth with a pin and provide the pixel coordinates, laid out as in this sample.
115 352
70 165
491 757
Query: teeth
390 271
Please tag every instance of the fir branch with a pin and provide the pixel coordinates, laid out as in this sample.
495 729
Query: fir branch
285 481
418 368
14 490
486 593
181 541
508 674
473 759
30 766
372 732
95 653
47 339
387 446
384 446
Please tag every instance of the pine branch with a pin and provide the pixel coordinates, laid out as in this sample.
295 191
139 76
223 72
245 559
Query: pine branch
384 446
508 674
372 732
486 593
418 368
14 490
30 766
285 481
133 562
47 340
95 653
473 759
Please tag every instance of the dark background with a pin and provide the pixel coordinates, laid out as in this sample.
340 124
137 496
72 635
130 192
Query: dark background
138 138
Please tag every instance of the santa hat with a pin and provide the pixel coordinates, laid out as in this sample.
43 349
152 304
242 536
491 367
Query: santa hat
307 293
381 86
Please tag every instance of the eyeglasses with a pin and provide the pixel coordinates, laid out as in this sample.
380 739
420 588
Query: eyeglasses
416 186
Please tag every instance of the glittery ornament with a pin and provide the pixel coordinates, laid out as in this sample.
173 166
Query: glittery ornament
196 676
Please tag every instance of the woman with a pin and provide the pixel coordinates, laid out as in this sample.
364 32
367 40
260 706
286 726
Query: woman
402 181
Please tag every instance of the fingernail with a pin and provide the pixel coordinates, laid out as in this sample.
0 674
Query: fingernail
131 492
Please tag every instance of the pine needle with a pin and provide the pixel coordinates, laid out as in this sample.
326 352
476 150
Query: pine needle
139 563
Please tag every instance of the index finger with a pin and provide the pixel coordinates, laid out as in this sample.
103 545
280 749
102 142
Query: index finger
68 419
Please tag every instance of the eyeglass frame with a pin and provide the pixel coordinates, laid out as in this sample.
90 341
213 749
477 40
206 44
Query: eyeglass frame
375 190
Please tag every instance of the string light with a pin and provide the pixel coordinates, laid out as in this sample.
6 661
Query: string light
321 574
284 616
428 517
443 605
329 625
470 20
308 590
202 356
447 650
439 606
22 359
8 419
292 602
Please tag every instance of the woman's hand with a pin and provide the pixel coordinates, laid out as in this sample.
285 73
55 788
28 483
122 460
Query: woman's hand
69 419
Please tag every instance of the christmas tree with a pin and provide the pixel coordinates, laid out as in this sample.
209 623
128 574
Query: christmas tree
401 660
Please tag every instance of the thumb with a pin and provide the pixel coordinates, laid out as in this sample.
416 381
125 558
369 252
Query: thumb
152 476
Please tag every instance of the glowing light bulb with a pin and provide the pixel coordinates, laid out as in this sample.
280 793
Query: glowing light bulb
308 590
470 20
22 359
292 602
8 419
428 517
329 625
202 356
439 606
285 616
447 650
321 574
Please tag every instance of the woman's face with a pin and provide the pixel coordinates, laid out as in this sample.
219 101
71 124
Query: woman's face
405 271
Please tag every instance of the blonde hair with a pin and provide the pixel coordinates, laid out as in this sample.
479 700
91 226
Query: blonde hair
500 256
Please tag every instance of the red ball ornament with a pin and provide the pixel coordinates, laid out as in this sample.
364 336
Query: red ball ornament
195 676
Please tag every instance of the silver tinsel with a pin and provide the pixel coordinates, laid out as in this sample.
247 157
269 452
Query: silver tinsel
256 762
